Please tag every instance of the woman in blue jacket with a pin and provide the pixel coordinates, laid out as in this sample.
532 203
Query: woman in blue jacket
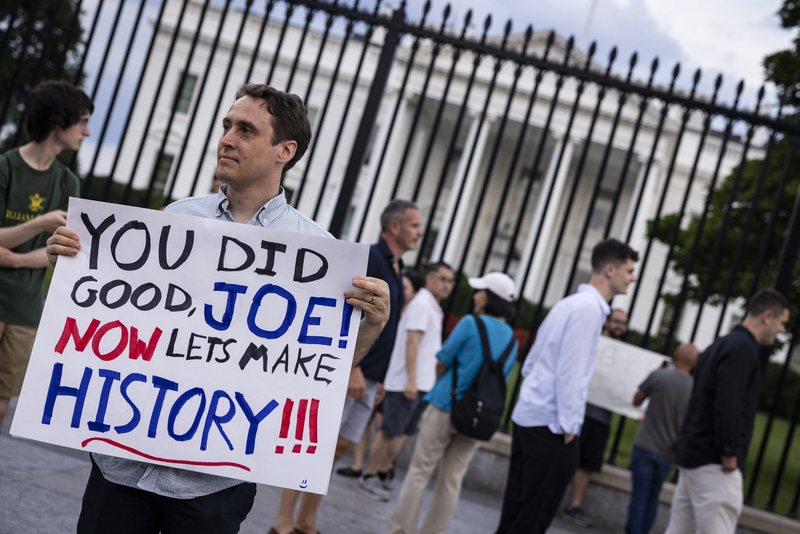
437 439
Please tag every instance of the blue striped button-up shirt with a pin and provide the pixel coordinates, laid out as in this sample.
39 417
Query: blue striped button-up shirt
179 483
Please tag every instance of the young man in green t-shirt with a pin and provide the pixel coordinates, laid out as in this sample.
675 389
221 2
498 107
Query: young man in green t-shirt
34 191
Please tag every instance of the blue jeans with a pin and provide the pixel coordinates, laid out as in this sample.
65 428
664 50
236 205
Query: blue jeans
648 473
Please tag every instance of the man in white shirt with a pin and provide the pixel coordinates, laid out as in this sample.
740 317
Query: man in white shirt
552 400
411 374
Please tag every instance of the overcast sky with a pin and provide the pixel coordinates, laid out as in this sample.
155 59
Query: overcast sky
730 37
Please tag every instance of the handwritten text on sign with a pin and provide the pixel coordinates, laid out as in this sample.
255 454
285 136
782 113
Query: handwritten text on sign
193 343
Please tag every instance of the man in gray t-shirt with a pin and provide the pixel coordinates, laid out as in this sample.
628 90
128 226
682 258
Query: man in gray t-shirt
653 454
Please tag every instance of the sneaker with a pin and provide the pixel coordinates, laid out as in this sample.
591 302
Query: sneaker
575 514
371 486
386 482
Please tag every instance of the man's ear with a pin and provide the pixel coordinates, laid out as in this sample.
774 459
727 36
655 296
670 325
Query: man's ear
609 270
394 227
767 316
287 152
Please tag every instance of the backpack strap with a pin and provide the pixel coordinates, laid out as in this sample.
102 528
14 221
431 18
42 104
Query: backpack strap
487 354
487 351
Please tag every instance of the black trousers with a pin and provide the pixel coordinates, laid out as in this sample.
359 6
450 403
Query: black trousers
540 469
116 509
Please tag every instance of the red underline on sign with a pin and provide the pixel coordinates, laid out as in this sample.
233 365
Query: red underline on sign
149 457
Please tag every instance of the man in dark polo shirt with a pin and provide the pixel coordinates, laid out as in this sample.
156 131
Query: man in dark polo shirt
401 229
716 433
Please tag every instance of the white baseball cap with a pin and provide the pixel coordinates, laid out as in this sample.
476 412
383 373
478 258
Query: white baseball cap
498 283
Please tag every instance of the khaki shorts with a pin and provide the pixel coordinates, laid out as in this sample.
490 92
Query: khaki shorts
16 343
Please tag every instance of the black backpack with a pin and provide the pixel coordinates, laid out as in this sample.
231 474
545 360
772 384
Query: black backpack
478 413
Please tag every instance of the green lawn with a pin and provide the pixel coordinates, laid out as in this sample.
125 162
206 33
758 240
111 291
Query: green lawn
769 466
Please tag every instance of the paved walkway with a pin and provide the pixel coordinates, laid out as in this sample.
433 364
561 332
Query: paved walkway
41 488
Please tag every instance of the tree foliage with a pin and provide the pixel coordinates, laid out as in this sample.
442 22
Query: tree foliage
43 40
730 238
782 68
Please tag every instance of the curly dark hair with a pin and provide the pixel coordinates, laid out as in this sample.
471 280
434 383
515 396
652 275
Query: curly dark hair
289 119
52 104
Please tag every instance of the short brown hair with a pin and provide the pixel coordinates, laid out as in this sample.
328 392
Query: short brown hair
767 299
289 117
53 104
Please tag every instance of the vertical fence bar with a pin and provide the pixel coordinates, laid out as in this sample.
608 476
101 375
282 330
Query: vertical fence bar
612 458
347 107
548 196
339 135
537 159
598 182
417 111
220 96
206 71
309 17
358 152
715 255
485 185
770 507
656 138
454 140
791 245
79 73
151 114
4 45
579 170
279 47
12 86
629 157
687 112
121 143
120 74
495 151
435 128
324 110
748 498
51 26
269 4
68 38
762 173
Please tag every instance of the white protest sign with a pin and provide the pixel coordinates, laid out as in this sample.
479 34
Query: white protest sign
618 371
193 343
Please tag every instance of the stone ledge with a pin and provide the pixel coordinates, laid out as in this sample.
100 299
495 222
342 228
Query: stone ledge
620 479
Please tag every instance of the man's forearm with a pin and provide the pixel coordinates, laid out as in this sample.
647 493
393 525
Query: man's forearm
35 259
14 236
412 347
367 334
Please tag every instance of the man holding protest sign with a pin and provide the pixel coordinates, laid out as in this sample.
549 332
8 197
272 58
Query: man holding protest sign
401 229
34 191
552 400
265 133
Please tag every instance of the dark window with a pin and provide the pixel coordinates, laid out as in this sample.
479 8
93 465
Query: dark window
186 93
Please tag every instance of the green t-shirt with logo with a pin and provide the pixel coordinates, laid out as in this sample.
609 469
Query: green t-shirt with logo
27 194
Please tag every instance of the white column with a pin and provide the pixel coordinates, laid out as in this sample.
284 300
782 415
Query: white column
372 228
558 181
632 204
638 240
447 220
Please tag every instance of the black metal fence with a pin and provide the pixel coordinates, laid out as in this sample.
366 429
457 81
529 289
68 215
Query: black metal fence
521 151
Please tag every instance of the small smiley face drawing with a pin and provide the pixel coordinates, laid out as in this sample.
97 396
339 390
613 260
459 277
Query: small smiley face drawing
304 484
